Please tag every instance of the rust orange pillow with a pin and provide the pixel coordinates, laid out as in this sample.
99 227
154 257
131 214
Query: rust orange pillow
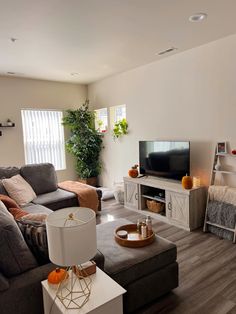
17 213
8 202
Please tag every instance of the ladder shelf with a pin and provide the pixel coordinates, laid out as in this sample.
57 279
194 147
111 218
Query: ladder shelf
217 157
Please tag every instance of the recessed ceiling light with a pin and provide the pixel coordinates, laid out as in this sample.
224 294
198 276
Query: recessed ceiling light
74 74
168 50
11 73
13 39
198 17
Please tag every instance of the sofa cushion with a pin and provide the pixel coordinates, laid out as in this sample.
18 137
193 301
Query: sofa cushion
19 189
36 209
4 283
8 172
125 264
57 199
42 177
15 256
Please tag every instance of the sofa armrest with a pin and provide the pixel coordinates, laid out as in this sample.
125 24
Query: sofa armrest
4 283
25 292
99 193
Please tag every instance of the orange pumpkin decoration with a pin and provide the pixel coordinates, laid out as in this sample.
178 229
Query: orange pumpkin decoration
133 172
187 182
57 275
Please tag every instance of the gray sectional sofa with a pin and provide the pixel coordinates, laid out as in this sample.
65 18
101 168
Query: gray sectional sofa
146 273
20 271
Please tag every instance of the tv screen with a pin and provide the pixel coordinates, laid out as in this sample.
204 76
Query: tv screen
167 159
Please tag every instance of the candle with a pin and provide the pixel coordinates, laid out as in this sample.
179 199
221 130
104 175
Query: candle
196 182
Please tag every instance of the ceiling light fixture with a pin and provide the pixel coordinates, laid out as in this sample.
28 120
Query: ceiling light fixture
160 53
13 39
198 17
74 74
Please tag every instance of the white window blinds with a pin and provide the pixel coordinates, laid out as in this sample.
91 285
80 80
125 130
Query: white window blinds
43 137
101 119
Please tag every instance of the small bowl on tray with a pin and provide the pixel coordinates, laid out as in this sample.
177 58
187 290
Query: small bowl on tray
133 239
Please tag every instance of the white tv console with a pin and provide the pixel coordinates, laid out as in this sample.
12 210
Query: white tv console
183 208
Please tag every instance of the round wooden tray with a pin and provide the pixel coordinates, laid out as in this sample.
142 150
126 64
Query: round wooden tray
134 239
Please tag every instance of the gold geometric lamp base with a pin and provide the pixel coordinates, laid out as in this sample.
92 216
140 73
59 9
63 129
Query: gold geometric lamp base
74 292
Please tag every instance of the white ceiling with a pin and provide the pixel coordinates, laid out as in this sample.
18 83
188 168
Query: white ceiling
98 38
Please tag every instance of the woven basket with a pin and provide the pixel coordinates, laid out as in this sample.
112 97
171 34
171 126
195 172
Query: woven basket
155 206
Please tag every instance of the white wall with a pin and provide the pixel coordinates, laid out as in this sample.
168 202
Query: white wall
187 96
18 93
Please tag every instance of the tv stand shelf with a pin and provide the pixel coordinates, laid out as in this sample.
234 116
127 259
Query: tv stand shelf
183 208
155 198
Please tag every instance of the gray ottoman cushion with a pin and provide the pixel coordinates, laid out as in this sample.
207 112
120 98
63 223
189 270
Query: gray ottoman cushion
8 172
128 264
42 177
57 199
146 273
15 256
99 260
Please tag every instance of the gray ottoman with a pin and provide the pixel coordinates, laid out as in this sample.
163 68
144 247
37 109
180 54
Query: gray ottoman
146 273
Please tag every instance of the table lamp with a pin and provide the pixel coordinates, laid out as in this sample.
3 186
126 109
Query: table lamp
71 234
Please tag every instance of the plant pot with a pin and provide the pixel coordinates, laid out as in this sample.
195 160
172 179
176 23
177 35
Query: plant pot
90 181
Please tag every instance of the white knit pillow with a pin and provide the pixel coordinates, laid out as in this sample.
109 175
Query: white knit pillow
19 190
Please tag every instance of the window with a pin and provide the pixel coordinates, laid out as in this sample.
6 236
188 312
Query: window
117 113
101 122
120 113
43 136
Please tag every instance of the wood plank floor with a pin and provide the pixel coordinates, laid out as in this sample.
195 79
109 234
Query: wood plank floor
207 268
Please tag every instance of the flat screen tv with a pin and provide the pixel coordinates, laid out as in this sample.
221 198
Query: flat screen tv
166 159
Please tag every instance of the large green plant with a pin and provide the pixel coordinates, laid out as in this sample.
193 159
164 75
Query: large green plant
85 142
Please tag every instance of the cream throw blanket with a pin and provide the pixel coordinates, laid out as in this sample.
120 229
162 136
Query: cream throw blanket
224 194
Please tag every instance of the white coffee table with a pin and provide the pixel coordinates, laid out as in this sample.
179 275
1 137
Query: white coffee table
106 297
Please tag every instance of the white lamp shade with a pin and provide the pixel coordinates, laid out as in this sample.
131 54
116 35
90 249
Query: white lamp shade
71 241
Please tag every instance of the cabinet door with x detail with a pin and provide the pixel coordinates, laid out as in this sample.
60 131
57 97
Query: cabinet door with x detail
177 208
131 195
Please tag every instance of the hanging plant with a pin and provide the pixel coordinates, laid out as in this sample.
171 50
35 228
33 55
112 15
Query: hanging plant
120 128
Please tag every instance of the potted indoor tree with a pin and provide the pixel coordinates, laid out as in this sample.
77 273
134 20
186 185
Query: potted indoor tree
85 143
